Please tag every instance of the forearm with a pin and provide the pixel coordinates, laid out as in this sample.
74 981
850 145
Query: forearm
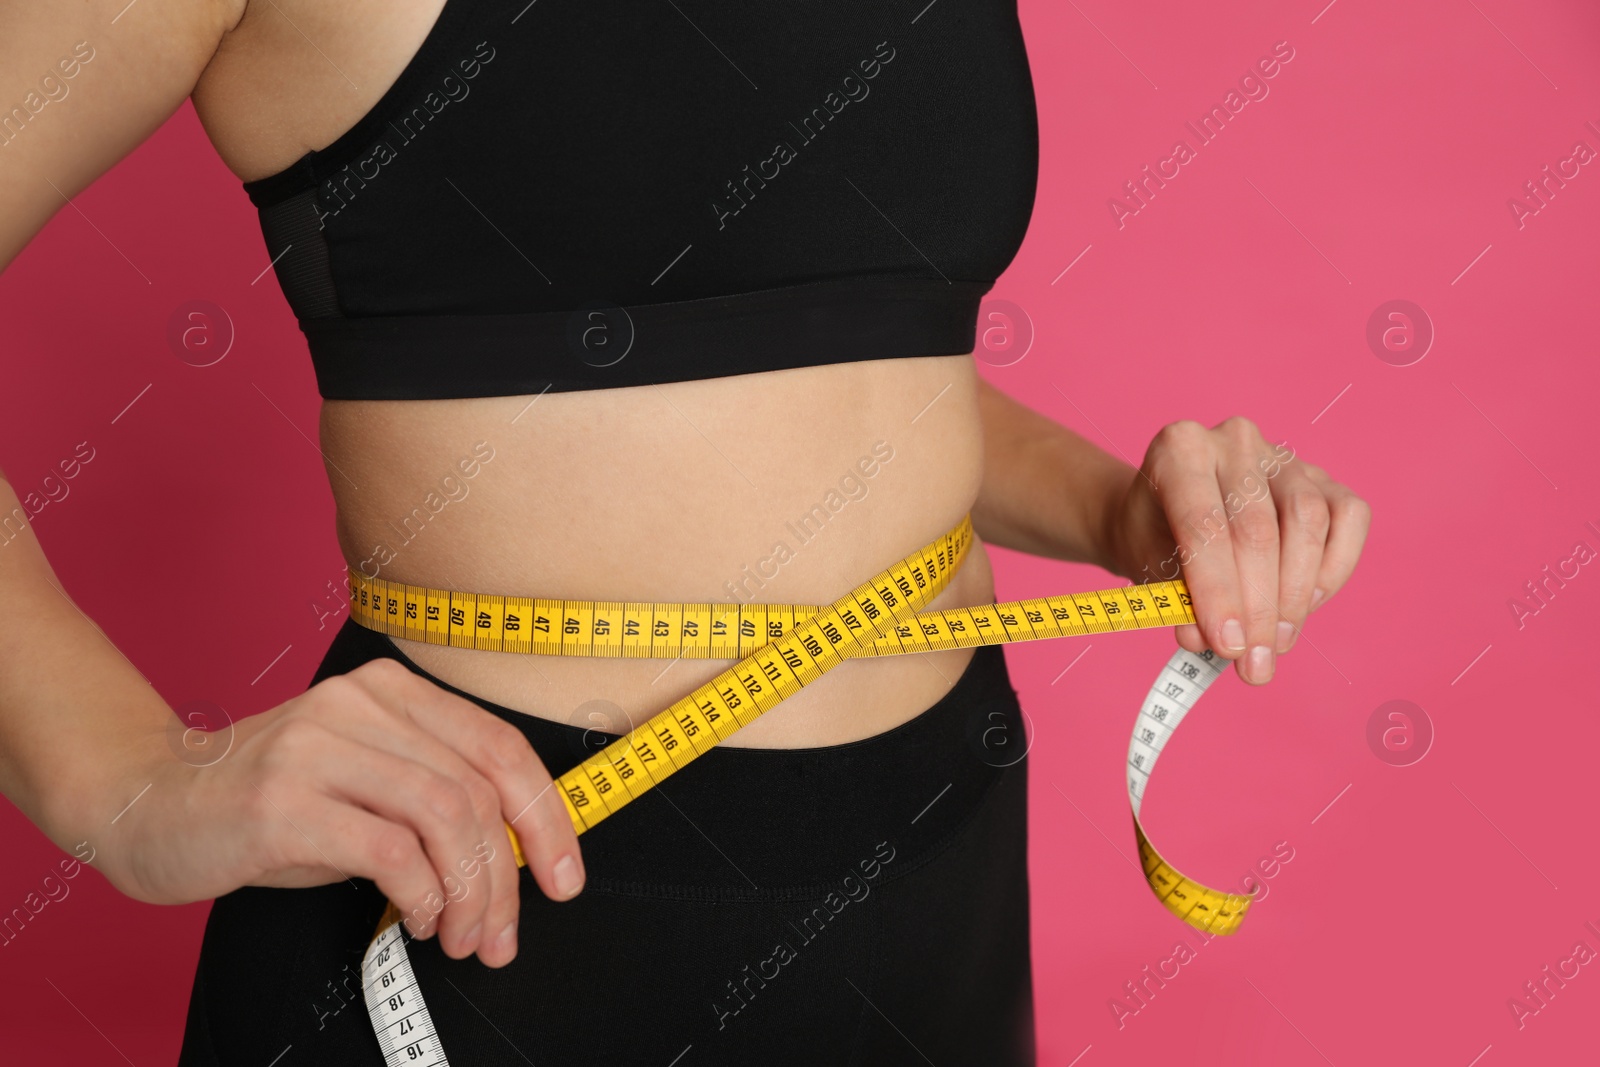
79 726
1046 490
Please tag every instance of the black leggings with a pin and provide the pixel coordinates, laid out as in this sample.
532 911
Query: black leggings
865 903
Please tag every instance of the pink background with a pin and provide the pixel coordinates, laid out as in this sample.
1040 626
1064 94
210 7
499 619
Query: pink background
1379 167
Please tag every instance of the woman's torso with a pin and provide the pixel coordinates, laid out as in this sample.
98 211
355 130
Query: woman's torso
694 490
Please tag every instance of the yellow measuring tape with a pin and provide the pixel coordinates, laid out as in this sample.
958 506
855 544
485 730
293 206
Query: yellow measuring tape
780 648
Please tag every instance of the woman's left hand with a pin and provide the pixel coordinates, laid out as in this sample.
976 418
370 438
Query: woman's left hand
1260 537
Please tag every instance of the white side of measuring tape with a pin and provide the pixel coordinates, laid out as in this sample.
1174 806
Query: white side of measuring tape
394 1000
394 1003
1180 683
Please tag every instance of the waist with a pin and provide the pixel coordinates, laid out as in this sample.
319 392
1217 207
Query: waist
788 486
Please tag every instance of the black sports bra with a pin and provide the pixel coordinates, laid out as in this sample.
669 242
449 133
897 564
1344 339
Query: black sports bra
582 194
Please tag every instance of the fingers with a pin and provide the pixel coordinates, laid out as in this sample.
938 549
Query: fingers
374 720
1189 637
1254 523
1350 518
1261 540
361 844
303 837
453 775
1303 516
549 843
436 808
498 946
499 752
1185 466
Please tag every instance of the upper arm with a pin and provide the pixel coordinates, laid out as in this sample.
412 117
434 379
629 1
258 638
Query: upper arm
82 84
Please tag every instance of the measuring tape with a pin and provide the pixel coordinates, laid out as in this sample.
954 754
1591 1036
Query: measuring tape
781 648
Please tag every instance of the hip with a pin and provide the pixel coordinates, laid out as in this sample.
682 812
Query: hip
764 906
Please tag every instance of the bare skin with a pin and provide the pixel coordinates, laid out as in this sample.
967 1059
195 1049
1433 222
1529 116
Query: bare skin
402 780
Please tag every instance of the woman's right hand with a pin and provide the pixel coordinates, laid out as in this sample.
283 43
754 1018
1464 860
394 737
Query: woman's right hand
378 774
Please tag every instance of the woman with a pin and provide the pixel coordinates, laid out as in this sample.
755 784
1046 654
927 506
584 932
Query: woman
798 208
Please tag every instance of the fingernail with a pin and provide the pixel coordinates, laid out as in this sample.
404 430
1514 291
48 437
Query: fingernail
506 939
568 878
1260 664
470 942
1286 635
1316 598
1232 635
